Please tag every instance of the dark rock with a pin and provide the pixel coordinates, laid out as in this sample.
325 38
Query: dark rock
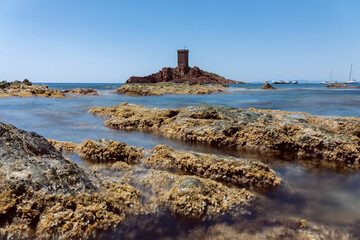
341 85
182 74
28 161
267 86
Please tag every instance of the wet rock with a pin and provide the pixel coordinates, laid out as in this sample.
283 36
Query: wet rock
161 88
63 146
109 151
27 89
45 196
269 229
101 151
82 91
305 135
182 75
267 86
242 172
191 196
120 166
341 85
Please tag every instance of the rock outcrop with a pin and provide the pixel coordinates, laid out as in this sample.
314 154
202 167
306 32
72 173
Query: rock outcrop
27 89
304 135
191 196
241 172
186 183
267 86
82 91
161 88
181 75
341 85
45 196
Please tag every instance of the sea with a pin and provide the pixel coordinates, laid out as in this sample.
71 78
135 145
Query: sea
325 195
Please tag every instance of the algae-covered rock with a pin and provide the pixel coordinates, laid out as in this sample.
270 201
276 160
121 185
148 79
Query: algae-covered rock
305 135
161 88
191 196
63 146
267 86
27 89
82 91
45 196
242 172
109 151
101 151
341 85
200 194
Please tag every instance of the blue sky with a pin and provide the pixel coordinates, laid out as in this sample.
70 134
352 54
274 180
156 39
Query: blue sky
109 41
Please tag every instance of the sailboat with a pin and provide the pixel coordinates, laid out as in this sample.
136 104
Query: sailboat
351 81
331 81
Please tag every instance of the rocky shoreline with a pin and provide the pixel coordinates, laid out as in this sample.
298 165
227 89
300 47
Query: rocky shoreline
27 89
335 139
43 195
161 88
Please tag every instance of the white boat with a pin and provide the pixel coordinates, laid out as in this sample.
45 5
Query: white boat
331 81
328 82
351 81
284 82
278 82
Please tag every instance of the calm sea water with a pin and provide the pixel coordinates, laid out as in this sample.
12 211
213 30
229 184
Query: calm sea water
322 195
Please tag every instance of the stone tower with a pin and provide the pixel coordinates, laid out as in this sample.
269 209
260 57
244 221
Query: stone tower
183 58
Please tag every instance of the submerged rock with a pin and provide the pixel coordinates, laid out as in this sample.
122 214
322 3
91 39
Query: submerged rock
45 196
161 88
27 89
190 196
267 86
82 91
341 85
305 135
201 193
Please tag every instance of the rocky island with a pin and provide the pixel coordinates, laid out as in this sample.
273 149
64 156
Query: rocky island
182 73
161 88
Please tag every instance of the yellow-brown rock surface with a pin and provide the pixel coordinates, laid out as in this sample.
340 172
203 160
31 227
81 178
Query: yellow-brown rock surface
238 171
82 91
27 89
156 89
199 195
45 196
333 138
191 196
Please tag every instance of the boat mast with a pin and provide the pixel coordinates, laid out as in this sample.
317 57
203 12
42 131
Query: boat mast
350 72
331 75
